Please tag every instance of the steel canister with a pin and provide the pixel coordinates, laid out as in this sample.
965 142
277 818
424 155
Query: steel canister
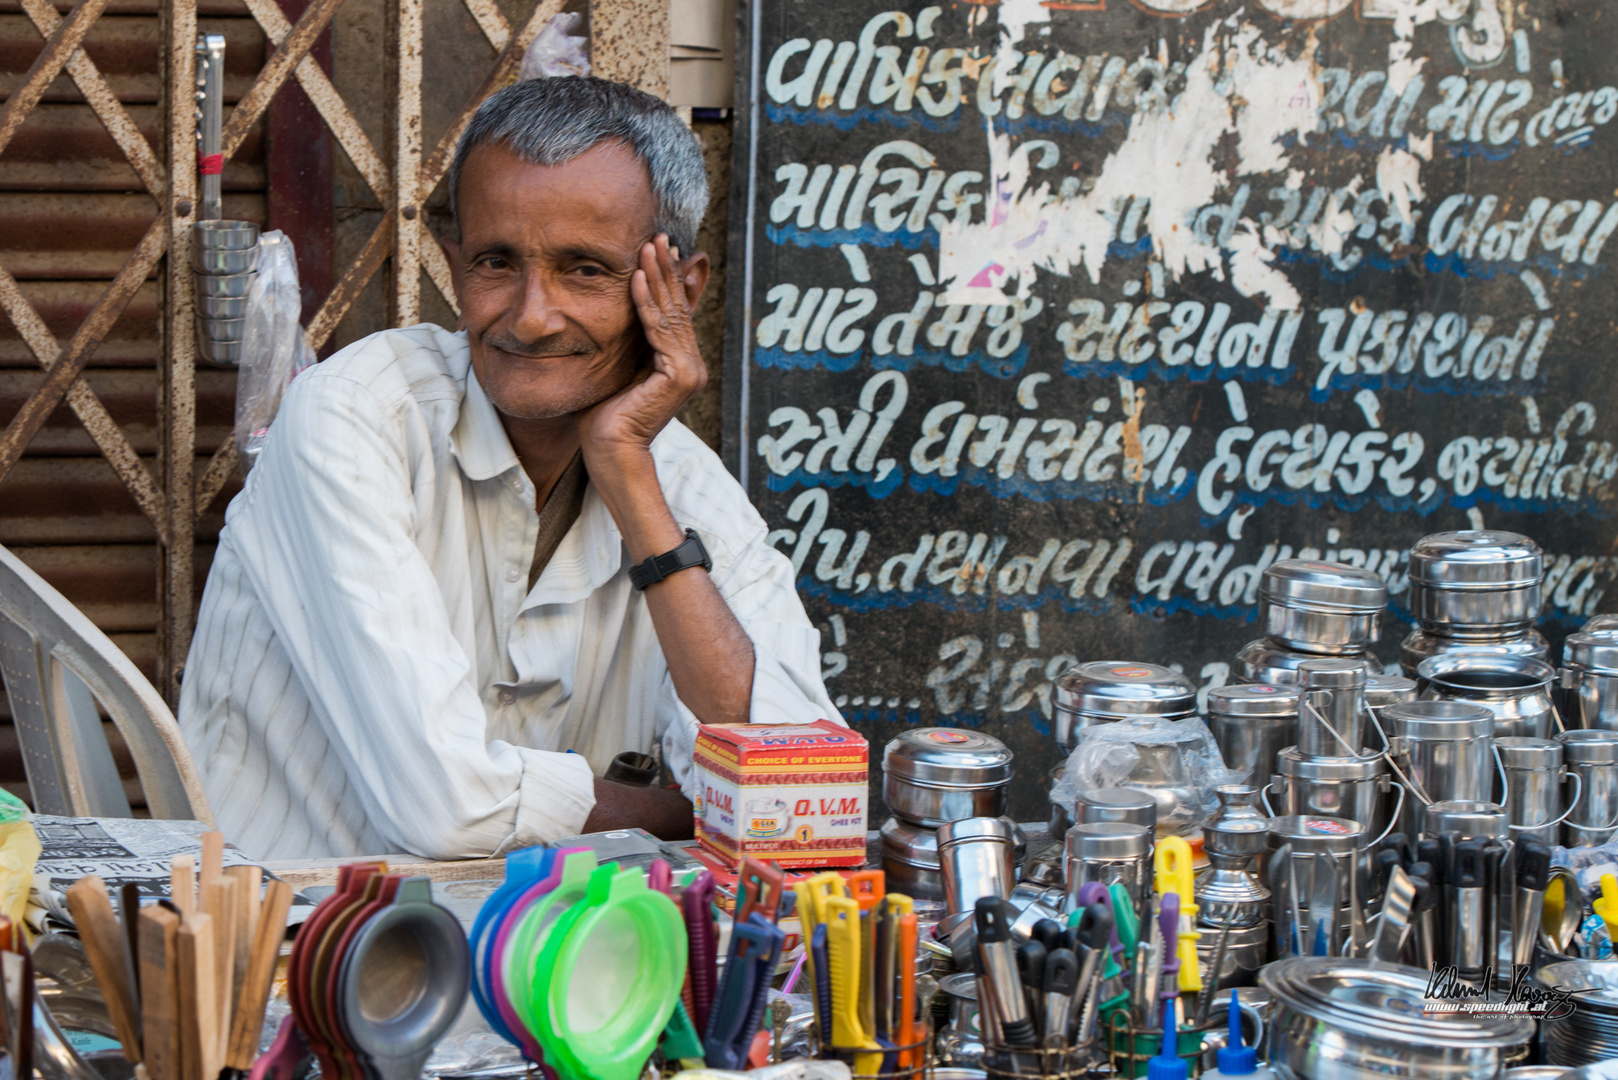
1421 645
1105 691
1589 679
1263 661
933 775
976 858
1104 804
1331 707
1355 788
1109 852
1445 749
1478 582
1517 690
1252 724
1593 757
910 857
1534 774
1321 607
1597 624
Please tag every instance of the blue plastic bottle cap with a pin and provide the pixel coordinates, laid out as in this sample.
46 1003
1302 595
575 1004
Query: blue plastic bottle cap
1167 1064
1234 1058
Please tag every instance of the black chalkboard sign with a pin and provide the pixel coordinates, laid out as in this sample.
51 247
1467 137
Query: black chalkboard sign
1054 323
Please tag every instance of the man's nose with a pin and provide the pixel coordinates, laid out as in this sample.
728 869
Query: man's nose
538 312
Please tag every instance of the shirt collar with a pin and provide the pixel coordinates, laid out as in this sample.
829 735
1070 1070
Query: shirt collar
478 439
588 557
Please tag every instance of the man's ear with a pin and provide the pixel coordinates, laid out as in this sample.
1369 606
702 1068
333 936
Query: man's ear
452 251
694 271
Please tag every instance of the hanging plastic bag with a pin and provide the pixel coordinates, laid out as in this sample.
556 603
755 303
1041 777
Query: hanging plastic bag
1177 762
274 347
556 50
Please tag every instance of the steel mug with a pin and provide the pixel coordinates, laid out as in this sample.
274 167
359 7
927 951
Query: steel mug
1533 776
1593 757
1445 750
1109 852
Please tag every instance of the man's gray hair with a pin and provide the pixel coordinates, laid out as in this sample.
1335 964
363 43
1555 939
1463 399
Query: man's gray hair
552 121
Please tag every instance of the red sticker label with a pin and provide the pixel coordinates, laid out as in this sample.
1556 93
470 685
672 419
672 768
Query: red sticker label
1335 828
947 736
1131 672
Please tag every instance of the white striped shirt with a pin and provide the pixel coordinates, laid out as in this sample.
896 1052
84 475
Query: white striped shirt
370 673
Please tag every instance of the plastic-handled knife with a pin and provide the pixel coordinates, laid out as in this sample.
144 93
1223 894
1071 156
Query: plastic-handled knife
1125 918
843 947
1528 899
881 962
1177 874
752 945
1168 930
759 887
696 907
819 961
909 931
999 961
1095 938
1060 982
1031 969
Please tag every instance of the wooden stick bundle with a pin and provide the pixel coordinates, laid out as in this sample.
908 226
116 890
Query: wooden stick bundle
186 992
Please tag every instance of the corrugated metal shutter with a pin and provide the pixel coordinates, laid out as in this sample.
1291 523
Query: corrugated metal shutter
71 209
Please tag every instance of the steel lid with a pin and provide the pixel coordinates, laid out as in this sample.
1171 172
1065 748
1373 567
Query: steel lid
1263 661
1295 763
1107 841
1333 674
948 757
1589 747
1119 689
1323 587
1439 720
1476 559
1467 817
1308 833
976 828
1524 752
1131 806
1384 690
1253 699
1481 674
1592 650
1597 623
1386 1002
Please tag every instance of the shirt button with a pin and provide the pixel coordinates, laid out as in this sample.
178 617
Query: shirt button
511 575
507 697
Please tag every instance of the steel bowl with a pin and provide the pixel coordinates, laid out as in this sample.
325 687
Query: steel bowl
1517 689
225 262
1321 607
1346 1019
1421 645
222 307
934 775
1104 691
222 234
1476 582
224 353
225 284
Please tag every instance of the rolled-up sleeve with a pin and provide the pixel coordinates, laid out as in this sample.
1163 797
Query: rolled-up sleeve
325 534
787 688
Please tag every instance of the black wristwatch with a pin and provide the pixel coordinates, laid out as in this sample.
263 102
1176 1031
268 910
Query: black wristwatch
688 554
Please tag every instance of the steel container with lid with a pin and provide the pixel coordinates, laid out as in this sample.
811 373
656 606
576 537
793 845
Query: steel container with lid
1337 1018
1592 755
1479 582
1295 841
1253 723
1356 788
910 857
1264 661
1331 707
976 858
1468 819
1321 607
1109 852
1130 804
1516 689
1534 774
1446 750
933 775
1420 645
1589 679
1105 691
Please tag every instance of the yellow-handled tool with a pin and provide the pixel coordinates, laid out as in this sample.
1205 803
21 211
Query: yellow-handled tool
843 940
1175 874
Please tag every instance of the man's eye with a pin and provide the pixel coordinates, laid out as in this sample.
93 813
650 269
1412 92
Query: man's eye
589 271
495 262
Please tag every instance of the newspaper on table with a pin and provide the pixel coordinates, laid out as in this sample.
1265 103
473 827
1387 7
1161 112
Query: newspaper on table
120 850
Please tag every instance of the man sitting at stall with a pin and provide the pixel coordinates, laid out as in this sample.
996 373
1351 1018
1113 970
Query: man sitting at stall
469 569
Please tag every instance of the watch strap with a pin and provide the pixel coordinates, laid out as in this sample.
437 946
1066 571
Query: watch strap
688 554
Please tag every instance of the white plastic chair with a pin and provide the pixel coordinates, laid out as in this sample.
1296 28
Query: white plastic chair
57 667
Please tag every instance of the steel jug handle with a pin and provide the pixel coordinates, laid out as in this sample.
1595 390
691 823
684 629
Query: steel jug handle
1393 819
1264 796
1387 755
1572 806
1500 767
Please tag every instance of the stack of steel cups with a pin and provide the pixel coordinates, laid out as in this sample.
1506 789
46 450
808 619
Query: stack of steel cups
224 253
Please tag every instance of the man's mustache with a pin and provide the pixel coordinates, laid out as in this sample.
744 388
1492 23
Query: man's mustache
549 346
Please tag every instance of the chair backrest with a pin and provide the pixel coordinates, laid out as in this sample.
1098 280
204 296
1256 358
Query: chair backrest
58 667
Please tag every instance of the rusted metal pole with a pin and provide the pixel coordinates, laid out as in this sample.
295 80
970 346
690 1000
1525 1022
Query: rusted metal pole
177 396
629 42
406 207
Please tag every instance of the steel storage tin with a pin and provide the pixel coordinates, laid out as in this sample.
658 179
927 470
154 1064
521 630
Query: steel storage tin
1597 624
1321 607
1421 645
1446 749
1109 852
934 775
1331 707
1355 788
1593 756
910 857
976 857
1104 691
1253 723
1589 679
1263 661
1127 804
1467 818
1476 582
1346 1019
1516 689
1533 773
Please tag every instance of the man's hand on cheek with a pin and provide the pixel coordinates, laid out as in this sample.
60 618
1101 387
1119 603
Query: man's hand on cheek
618 432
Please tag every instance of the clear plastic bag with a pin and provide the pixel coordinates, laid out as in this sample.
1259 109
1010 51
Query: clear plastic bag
274 347
1177 762
557 50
